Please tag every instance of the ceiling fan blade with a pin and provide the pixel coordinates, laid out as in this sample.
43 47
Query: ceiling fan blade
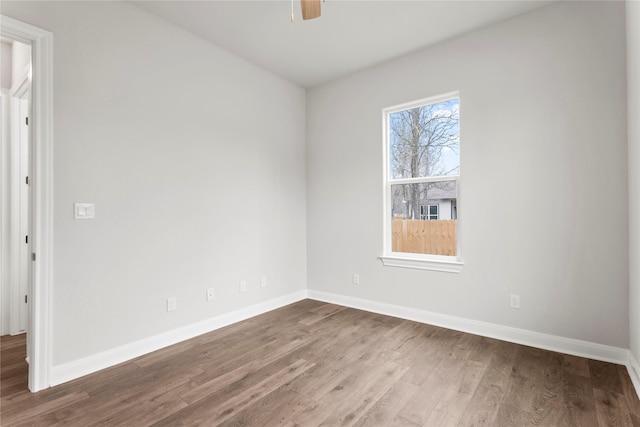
310 8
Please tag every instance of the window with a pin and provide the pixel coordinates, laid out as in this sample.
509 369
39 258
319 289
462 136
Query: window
421 182
432 212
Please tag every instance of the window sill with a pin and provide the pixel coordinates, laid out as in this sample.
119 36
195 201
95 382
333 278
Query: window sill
446 264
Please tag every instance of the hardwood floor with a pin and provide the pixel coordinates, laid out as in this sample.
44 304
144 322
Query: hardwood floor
317 364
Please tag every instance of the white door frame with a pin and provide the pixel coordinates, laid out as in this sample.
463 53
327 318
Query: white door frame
41 128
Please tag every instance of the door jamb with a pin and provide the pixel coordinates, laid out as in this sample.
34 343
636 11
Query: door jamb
40 306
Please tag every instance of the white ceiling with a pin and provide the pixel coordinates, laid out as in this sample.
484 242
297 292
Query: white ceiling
349 36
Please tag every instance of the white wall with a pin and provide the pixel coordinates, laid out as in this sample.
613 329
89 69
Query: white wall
5 86
4 210
195 160
633 114
151 125
542 101
5 65
20 62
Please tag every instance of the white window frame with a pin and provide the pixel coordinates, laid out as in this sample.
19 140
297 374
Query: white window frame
450 264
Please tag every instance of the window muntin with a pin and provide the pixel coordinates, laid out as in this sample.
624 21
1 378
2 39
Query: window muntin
422 171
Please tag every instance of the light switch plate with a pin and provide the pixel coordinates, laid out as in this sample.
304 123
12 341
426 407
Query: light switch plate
84 211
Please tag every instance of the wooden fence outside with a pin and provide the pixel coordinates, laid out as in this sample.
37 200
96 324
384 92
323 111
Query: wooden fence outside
435 237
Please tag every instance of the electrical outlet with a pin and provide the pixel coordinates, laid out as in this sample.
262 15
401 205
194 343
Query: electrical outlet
172 304
263 282
356 279
211 294
514 301
243 286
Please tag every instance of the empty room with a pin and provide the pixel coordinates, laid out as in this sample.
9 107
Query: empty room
305 213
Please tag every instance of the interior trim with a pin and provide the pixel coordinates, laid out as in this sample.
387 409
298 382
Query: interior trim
40 310
90 364
571 346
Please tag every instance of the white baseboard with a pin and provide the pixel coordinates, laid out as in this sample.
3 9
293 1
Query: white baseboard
634 371
505 333
94 363
87 365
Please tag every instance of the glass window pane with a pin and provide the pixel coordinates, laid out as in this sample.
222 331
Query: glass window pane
425 141
434 233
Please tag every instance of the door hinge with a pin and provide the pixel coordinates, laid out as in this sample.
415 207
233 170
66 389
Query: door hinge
26 239
25 299
27 121
26 180
33 256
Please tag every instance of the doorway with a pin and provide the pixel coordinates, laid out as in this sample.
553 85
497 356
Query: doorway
16 166
37 99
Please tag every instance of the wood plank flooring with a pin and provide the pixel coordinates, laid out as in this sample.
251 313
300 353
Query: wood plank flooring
318 364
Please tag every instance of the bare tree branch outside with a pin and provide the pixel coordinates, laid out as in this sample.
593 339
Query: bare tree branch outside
424 142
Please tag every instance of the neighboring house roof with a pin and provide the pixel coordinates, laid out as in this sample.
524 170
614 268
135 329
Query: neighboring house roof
446 192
